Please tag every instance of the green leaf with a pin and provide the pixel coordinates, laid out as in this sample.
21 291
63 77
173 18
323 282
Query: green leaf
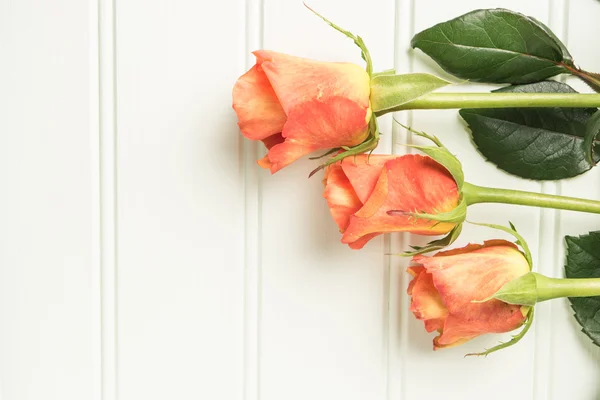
583 261
391 91
495 46
567 58
533 143
592 130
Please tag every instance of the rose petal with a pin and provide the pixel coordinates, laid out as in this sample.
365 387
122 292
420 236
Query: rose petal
315 125
426 303
362 241
341 199
461 278
327 124
283 154
475 272
446 343
410 183
319 80
496 317
273 140
363 171
259 112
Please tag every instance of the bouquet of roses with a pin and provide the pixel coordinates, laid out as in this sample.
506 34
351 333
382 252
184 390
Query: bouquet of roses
534 128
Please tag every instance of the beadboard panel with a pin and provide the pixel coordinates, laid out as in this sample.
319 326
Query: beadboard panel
180 198
574 358
144 254
323 306
516 364
48 148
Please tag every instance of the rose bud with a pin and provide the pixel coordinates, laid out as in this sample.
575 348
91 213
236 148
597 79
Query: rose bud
296 106
376 194
451 291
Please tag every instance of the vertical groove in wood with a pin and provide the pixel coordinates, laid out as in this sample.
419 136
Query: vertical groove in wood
397 328
253 224
108 195
548 253
388 288
560 16
94 110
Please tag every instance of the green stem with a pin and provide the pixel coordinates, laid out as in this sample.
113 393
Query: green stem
553 288
500 100
479 194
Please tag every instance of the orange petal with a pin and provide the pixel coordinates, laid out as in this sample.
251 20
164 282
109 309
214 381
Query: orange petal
341 199
272 140
498 317
363 171
283 154
377 197
414 272
315 125
445 343
327 124
258 110
269 142
426 303
410 183
362 241
475 275
327 104
296 80
475 246
435 324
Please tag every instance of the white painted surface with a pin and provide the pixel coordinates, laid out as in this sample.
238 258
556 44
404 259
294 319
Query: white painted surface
144 255
46 204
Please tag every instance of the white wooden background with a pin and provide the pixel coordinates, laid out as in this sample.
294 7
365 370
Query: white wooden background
144 255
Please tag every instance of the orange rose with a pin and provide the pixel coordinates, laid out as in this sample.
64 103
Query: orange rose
361 190
445 286
296 106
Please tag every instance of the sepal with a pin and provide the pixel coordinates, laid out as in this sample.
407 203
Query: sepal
513 231
456 216
357 40
365 147
520 291
390 92
435 244
442 155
